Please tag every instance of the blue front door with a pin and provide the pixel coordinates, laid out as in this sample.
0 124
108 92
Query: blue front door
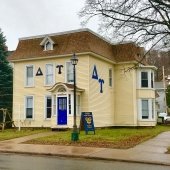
62 110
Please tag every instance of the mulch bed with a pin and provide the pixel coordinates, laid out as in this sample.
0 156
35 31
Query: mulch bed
123 144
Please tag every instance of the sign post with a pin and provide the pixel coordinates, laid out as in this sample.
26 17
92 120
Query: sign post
87 122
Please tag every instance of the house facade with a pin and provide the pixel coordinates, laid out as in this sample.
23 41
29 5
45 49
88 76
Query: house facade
110 81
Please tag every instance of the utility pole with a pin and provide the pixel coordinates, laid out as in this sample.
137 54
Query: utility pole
164 85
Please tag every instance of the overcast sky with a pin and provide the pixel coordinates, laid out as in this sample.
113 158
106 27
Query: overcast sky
23 18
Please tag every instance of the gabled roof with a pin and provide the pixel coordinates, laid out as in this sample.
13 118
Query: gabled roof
47 38
78 41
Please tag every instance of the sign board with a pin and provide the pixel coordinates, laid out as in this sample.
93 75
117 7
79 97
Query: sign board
87 122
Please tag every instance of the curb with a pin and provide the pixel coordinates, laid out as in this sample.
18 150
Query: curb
86 157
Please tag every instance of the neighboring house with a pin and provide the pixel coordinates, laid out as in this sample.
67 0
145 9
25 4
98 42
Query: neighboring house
108 82
160 99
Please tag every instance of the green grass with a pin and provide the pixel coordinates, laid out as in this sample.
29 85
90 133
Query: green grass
14 133
109 137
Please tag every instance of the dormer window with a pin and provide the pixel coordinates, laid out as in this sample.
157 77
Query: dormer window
47 43
48 46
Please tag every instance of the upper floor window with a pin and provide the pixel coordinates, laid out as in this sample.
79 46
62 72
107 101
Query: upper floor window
49 74
29 76
69 72
110 77
29 107
151 79
144 79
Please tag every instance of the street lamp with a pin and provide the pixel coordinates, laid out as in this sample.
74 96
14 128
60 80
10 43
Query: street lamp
75 134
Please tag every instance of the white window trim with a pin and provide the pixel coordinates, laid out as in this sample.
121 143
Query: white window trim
150 102
66 81
25 100
139 84
53 75
45 106
25 78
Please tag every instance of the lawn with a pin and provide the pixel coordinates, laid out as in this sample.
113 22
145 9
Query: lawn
109 137
14 133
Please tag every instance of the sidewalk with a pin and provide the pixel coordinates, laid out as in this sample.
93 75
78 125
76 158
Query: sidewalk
151 151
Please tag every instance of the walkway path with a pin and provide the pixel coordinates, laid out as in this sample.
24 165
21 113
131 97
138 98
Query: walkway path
151 151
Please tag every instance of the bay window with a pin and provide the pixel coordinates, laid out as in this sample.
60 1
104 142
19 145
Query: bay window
146 109
146 79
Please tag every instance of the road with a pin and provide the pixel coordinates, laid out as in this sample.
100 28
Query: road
30 162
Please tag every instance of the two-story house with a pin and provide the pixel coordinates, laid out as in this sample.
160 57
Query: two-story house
110 81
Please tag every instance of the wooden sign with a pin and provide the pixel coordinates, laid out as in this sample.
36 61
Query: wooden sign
87 122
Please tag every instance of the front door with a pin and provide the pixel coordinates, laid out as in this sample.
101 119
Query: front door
62 111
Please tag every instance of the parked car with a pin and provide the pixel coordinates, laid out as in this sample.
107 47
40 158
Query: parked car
163 118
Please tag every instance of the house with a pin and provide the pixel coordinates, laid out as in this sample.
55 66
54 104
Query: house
160 99
110 81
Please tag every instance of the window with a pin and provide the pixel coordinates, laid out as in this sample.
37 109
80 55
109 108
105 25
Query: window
110 77
69 72
29 107
49 77
48 46
48 109
144 79
151 79
145 109
29 76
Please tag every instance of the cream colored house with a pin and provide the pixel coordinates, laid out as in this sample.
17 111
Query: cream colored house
110 81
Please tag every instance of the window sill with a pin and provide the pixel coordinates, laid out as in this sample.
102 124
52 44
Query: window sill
47 119
146 120
145 88
48 85
29 86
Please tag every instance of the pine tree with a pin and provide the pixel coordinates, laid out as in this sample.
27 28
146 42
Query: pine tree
6 84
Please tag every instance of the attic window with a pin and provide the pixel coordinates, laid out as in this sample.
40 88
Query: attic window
48 46
47 43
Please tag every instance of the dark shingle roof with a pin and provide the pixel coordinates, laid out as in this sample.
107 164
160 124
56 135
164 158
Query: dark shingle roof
75 42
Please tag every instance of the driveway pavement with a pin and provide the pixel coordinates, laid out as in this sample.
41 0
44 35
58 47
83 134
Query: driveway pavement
151 151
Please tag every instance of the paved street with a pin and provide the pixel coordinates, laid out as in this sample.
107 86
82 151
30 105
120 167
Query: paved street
28 162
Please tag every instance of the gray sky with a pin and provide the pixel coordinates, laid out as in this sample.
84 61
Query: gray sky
23 18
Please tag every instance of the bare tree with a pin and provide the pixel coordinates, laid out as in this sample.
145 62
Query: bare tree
146 22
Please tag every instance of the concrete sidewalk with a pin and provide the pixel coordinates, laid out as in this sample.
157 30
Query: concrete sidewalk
151 151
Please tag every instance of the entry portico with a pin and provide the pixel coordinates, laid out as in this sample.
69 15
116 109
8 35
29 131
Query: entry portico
62 94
